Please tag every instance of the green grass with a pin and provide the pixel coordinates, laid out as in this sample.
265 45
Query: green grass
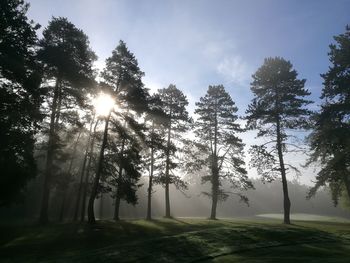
177 240
307 217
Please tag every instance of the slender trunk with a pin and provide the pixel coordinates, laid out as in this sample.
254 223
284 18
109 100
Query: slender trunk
167 175
149 198
214 197
150 182
87 175
347 182
91 215
77 204
116 208
43 219
68 172
286 201
63 205
215 171
215 188
101 207
119 181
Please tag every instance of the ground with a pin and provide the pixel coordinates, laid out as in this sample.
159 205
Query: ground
178 240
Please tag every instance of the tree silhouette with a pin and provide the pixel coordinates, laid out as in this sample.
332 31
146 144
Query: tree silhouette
277 106
67 59
156 122
174 105
122 79
220 150
20 99
330 142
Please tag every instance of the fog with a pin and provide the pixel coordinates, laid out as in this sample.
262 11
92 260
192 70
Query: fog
265 199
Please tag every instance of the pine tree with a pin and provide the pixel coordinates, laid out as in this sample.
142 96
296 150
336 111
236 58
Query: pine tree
156 123
174 105
20 99
122 79
221 151
330 141
277 107
67 59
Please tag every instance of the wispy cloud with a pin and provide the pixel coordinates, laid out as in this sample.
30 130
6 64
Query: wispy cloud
235 70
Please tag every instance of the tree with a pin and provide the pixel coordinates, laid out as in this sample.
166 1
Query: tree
20 99
219 147
329 141
156 122
122 79
174 105
67 60
277 107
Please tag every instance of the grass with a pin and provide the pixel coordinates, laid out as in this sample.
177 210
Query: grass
307 217
177 240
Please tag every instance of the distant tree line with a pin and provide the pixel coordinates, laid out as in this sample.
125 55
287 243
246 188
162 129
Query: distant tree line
52 130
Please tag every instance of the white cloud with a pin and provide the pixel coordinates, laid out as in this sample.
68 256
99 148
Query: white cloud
152 85
235 70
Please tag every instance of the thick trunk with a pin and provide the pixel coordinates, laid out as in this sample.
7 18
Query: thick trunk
87 176
43 219
150 186
167 174
91 215
286 201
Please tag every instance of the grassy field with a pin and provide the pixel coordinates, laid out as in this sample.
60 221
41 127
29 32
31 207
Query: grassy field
307 217
178 240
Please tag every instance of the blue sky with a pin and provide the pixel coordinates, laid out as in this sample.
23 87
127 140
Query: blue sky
198 43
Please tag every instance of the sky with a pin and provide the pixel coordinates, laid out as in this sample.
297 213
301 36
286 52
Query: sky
197 43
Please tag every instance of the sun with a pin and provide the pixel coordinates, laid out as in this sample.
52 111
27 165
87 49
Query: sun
103 104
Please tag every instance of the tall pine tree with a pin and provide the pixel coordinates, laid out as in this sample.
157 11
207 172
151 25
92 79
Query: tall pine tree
67 60
221 150
156 123
122 79
20 99
174 105
278 106
330 141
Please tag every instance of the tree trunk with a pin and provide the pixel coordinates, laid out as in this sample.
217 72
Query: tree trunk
91 215
150 184
44 218
87 175
119 181
77 204
63 205
346 182
215 171
286 201
116 208
215 188
101 207
167 175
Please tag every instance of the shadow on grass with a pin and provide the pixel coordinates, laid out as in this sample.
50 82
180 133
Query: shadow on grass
168 240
